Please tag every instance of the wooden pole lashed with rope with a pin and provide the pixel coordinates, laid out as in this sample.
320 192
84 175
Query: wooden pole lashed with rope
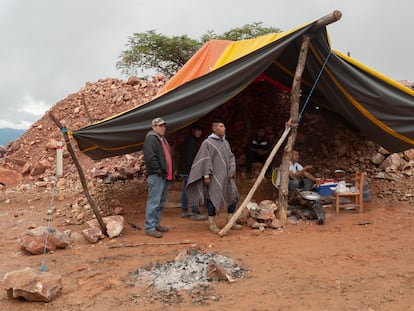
294 116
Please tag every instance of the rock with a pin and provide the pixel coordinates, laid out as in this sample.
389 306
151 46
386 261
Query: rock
217 271
33 240
276 224
26 168
40 167
114 225
51 144
31 285
409 154
383 151
392 163
133 80
377 158
266 210
93 234
3 151
9 178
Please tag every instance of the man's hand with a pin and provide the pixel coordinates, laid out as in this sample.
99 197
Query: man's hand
230 175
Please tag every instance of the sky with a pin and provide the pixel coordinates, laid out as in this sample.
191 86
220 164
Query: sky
51 48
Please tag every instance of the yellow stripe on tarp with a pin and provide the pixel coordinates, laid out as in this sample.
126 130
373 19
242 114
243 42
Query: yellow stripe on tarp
375 73
358 105
91 148
241 48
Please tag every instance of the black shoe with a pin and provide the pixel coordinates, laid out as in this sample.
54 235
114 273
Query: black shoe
154 233
162 229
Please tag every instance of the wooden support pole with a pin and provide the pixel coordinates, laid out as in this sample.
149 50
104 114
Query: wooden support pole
294 115
259 179
80 171
328 19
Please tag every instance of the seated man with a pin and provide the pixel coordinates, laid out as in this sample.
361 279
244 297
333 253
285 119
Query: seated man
258 149
299 176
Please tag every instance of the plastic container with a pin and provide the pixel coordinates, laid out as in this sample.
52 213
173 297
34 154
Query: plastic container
325 187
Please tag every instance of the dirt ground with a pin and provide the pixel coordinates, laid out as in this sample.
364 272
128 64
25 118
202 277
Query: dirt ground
353 262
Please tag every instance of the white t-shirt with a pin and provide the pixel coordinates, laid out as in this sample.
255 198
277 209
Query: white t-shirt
294 167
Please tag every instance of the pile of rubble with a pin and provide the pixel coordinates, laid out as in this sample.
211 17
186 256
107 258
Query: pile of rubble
325 139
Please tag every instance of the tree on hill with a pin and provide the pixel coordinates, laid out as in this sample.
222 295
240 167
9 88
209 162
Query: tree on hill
154 51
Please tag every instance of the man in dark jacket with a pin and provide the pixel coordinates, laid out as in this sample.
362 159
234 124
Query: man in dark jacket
258 149
188 151
159 167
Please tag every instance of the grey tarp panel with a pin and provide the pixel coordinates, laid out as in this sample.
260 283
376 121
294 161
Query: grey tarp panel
373 104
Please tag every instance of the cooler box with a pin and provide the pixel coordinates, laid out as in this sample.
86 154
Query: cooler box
325 187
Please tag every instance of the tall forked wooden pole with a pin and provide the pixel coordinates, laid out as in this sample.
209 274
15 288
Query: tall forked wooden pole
294 114
81 174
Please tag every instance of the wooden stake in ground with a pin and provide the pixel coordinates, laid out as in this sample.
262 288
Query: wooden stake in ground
294 115
80 171
259 179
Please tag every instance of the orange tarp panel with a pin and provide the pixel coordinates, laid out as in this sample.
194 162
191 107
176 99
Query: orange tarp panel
200 64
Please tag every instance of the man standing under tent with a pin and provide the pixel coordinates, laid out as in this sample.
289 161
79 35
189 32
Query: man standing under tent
188 151
211 178
159 166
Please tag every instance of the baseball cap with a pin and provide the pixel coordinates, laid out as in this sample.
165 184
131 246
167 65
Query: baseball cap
158 121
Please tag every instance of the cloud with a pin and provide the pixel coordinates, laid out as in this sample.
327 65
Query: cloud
32 106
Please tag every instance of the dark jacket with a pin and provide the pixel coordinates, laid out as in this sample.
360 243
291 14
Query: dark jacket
188 151
154 156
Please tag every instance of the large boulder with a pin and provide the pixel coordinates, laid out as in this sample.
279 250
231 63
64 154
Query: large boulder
9 178
31 285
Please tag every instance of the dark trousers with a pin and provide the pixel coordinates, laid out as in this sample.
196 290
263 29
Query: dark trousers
211 210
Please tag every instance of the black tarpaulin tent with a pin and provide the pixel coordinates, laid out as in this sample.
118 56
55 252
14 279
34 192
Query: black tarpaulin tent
377 106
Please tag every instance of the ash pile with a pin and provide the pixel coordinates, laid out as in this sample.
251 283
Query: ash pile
190 269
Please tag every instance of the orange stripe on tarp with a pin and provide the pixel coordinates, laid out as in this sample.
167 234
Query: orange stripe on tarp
200 64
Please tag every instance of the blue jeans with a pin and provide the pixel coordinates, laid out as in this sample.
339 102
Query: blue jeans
211 210
184 202
157 193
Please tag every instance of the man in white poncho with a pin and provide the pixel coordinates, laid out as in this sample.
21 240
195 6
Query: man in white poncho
211 178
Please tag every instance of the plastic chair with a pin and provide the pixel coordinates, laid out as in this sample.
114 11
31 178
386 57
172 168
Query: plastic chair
356 196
